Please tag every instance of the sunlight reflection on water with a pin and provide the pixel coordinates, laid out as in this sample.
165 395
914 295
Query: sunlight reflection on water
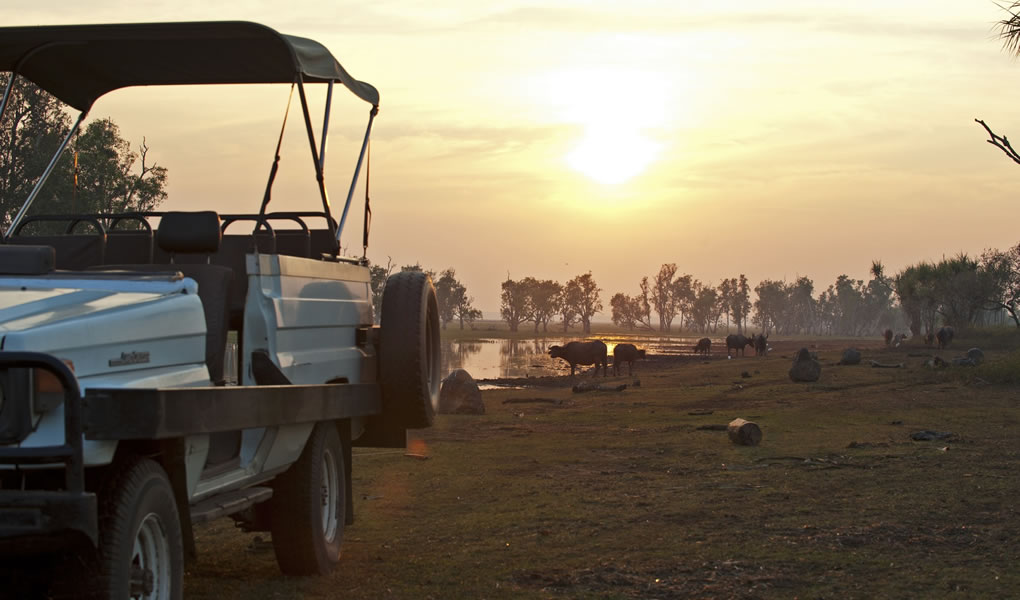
489 358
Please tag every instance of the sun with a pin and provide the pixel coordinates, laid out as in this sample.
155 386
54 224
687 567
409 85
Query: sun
612 155
615 108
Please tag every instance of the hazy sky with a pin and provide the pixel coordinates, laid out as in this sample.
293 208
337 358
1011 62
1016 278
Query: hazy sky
775 138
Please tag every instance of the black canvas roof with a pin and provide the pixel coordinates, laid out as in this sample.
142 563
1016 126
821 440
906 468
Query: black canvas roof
80 63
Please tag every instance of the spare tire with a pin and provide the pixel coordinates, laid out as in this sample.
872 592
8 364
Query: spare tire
409 350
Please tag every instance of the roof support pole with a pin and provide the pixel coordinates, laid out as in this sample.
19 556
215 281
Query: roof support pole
319 177
7 94
357 170
325 128
46 174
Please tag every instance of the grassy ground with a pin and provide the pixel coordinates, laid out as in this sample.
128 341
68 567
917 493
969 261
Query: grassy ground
633 494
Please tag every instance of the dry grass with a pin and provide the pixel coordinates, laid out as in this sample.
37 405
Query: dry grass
622 495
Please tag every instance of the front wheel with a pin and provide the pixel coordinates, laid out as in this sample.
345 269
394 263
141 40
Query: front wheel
308 507
141 549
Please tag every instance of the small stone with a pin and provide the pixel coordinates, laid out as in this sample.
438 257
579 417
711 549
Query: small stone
851 356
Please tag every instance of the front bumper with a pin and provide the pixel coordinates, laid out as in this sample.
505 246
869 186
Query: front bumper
40 521
32 518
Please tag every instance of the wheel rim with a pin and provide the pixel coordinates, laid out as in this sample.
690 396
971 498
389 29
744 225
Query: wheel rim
150 560
330 496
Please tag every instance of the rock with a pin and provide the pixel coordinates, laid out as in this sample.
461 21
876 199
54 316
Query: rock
963 362
805 367
459 394
877 365
745 375
851 356
976 355
637 383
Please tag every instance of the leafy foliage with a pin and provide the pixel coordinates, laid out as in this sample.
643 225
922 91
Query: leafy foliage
99 173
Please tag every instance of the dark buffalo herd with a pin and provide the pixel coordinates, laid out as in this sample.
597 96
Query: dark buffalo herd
595 352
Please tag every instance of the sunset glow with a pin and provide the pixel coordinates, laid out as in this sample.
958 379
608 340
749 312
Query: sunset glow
777 140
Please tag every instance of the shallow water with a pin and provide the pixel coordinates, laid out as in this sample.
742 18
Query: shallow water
490 358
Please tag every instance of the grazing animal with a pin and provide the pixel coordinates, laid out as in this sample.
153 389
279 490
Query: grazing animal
737 342
888 336
626 353
898 339
583 353
944 336
761 345
704 346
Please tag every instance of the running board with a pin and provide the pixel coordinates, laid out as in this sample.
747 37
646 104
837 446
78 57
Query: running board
228 503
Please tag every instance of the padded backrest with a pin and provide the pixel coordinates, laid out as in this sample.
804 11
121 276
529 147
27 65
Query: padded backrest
27 260
74 252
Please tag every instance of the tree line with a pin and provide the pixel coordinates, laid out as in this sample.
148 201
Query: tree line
961 291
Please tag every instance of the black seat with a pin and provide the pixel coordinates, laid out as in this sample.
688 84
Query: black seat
196 235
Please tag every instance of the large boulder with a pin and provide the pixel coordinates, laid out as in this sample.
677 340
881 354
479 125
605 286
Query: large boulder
805 368
851 356
459 394
976 355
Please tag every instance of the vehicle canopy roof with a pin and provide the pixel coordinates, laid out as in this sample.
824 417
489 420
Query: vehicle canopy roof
79 63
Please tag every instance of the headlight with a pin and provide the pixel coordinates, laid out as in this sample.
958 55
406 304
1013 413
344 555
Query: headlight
47 391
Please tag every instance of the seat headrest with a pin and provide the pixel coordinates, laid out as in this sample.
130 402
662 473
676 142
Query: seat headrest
189 232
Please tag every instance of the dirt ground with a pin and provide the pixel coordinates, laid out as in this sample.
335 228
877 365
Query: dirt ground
640 493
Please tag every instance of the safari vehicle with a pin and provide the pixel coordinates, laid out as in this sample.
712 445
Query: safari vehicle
124 420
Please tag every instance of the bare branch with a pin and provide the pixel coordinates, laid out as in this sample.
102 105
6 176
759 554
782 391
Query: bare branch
143 151
1000 142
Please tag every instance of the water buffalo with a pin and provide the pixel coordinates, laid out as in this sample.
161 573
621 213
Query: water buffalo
583 353
761 345
704 346
737 342
944 336
898 339
626 353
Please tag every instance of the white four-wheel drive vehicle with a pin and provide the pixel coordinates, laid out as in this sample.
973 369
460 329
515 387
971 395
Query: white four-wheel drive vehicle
123 417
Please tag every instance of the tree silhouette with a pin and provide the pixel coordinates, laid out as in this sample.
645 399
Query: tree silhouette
583 292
